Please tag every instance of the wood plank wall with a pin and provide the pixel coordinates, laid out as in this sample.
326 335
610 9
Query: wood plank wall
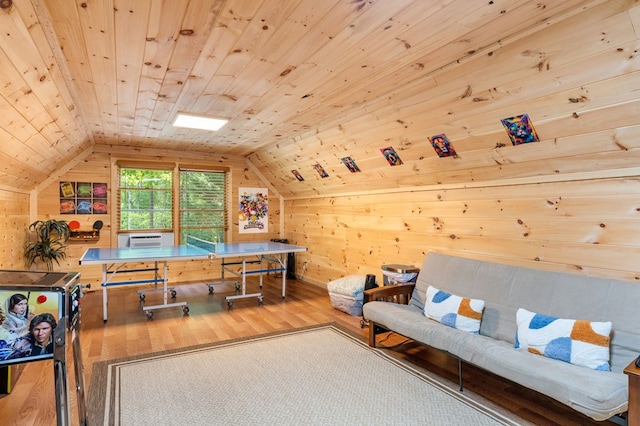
568 203
589 227
97 167
583 226
14 221
577 80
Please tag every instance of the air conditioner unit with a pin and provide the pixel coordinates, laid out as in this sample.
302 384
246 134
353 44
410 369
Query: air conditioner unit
145 240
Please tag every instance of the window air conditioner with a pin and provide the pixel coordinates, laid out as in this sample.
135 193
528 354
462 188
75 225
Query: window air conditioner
145 240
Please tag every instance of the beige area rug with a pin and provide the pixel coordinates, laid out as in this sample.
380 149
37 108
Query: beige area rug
313 376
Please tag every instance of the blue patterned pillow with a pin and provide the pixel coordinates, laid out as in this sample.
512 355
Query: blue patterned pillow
458 312
578 342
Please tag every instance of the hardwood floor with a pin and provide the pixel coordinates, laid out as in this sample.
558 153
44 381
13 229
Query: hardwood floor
128 332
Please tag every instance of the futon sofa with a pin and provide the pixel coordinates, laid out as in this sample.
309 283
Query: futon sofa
506 291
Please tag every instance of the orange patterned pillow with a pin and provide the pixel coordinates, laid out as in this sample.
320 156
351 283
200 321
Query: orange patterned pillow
458 312
578 342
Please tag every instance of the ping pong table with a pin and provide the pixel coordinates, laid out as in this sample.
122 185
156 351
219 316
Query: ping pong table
114 261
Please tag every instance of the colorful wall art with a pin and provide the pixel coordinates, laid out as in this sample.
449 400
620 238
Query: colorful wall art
297 175
253 210
318 168
442 146
391 156
83 198
520 129
350 164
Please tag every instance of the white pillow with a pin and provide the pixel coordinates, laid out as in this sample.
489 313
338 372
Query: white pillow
578 342
462 313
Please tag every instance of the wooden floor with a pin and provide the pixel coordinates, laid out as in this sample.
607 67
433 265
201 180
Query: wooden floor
128 332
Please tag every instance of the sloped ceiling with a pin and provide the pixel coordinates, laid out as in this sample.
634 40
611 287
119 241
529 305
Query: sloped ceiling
308 82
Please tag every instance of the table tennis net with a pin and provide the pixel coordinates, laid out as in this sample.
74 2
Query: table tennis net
203 244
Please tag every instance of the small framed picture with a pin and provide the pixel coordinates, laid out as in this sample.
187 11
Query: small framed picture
350 164
84 206
442 146
83 189
67 189
99 206
391 156
520 129
100 190
318 168
67 206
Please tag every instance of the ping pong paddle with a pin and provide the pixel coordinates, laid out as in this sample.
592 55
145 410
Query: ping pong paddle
97 225
74 225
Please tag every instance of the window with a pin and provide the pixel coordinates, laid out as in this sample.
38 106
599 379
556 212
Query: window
145 199
202 205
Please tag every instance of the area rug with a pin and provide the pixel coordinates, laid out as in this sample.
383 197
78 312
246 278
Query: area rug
313 376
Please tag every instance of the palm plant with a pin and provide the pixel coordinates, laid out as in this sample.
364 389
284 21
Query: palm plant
49 245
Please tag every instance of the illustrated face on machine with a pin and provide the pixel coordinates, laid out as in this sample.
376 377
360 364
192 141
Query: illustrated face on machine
42 333
30 316
20 308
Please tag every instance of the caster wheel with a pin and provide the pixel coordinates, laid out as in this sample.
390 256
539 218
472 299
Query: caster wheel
211 290
261 300
142 297
149 314
229 304
185 310
173 294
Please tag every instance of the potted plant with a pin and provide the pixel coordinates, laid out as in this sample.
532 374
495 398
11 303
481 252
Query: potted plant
49 245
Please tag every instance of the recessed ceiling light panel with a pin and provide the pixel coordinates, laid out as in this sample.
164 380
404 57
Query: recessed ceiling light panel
191 121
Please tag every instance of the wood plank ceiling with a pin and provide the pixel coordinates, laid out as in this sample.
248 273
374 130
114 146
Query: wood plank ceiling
306 81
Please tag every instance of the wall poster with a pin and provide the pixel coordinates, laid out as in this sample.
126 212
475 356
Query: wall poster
253 210
83 198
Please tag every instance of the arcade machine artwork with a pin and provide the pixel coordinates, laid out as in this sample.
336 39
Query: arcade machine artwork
38 308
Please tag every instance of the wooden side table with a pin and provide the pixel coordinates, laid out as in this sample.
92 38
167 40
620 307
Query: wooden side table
633 372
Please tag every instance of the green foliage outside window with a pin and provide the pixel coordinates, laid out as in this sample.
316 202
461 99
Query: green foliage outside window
202 205
146 202
146 199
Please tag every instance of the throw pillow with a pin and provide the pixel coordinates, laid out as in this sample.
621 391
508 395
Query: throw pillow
455 311
578 342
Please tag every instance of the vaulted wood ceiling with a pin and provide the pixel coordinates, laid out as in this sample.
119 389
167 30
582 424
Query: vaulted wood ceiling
308 82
